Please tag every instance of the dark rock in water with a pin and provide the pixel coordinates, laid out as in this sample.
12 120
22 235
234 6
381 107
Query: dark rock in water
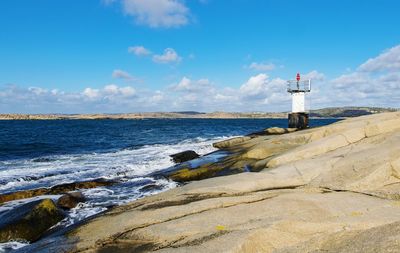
41 160
70 200
57 189
28 178
151 187
30 221
184 156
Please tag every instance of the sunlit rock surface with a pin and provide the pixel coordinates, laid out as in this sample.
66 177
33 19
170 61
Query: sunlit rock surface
329 189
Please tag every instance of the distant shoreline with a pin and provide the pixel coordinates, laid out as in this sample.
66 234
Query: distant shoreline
334 112
139 116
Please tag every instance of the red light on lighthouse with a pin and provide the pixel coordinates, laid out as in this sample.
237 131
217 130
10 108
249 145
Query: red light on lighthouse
298 77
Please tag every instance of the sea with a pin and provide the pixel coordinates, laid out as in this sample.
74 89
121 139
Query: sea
44 153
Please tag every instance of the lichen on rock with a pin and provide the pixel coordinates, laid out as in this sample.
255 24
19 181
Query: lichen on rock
29 221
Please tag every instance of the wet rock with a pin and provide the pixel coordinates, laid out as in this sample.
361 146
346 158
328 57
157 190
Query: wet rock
204 171
151 187
187 174
184 156
70 200
215 164
57 189
28 178
41 160
29 221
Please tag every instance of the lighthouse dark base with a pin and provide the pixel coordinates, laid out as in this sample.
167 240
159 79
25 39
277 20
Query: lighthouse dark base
298 120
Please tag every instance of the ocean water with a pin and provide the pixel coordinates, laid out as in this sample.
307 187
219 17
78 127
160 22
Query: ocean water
45 153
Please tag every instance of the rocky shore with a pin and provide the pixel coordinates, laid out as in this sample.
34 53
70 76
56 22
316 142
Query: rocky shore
328 189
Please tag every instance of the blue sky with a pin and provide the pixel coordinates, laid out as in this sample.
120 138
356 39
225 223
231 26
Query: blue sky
204 55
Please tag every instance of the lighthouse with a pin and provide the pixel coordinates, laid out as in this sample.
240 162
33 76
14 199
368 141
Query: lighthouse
298 88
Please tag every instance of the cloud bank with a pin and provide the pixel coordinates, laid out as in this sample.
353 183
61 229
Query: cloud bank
376 82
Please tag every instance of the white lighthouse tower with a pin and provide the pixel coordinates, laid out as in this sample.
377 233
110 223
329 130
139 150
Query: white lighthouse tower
298 88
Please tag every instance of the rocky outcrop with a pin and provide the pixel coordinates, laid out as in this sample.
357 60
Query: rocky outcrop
279 130
70 200
230 142
55 190
327 189
184 156
29 221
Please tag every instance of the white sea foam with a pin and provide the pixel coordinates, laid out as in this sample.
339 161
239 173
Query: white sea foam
129 166
27 174
13 245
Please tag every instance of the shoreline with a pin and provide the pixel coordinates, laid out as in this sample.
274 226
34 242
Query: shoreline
319 188
140 116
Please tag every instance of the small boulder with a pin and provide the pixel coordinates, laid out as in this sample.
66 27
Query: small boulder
184 156
70 200
273 131
29 221
279 130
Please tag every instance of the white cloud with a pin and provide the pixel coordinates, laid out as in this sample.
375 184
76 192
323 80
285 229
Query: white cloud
255 86
91 93
108 93
127 91
262 66
37 90
376 82
139 50
187 85
120 74
314 75
386 61
157 97
157 13
111 89
260 86
355 79
169 56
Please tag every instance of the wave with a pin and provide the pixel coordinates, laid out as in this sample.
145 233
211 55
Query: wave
12 245
126 163
130 166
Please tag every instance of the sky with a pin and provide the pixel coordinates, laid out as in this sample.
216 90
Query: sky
117 56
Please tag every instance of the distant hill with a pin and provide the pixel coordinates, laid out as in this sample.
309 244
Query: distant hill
336 112
190 112
346 112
